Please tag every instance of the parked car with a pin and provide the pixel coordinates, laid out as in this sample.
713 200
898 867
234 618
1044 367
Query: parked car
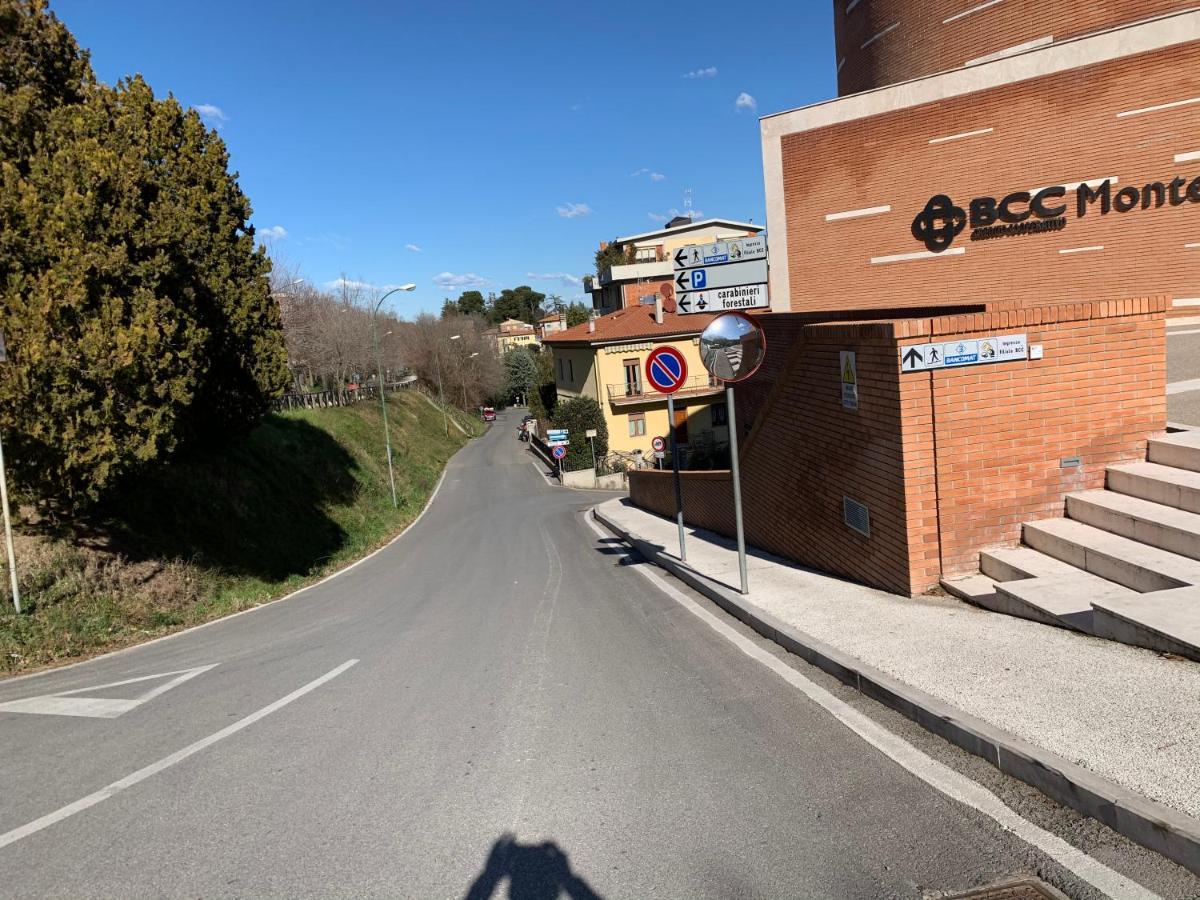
489 414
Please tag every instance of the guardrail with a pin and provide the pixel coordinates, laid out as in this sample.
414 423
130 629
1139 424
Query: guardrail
322 399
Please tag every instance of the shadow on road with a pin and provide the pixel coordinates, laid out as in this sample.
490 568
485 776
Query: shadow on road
533 871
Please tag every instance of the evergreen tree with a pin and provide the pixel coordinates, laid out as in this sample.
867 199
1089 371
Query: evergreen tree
520 373
134 302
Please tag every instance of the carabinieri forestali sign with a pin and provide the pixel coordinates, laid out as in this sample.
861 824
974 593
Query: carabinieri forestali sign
1026 212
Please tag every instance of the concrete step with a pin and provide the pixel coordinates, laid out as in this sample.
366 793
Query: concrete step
1166 620
1181 450
1013 563
977 589
1157 483
1159 526
1061 600
1137 566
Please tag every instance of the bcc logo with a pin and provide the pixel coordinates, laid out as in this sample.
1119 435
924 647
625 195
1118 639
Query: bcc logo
939 223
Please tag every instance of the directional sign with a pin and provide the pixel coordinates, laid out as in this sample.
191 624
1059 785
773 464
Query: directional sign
666 370
732 275
556 433
557 442
973 352
658 444
748 296
559 452
720 252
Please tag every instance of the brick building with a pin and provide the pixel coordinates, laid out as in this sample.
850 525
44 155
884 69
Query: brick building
1015 100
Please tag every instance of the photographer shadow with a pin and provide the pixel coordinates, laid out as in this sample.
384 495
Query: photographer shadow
533 871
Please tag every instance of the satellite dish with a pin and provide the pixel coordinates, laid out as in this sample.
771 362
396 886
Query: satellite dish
733 346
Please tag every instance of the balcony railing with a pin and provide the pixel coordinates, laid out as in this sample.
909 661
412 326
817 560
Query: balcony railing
696 386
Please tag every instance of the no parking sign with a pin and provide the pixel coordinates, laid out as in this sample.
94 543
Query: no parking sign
666 370
559 452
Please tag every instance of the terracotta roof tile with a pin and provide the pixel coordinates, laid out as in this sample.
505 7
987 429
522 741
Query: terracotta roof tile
631 323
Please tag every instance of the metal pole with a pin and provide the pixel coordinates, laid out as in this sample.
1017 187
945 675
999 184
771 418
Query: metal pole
675 469
387 438
437 357
735 472
8 538
592 441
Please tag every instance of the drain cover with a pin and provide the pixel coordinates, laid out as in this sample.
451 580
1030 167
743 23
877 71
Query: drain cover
1021 889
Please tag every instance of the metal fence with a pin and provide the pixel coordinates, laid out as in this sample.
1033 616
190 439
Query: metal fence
321 399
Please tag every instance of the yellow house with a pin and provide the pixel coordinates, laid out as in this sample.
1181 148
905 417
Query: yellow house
606 359
512 333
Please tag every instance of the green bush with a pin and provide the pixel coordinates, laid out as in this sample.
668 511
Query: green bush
577 416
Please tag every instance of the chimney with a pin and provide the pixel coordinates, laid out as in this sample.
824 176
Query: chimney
591 323
658 315
562 317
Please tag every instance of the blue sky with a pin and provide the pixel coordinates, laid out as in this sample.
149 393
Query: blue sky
462 145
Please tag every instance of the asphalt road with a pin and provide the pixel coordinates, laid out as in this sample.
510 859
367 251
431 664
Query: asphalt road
528 716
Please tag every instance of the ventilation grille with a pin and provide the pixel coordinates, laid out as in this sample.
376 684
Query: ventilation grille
856 516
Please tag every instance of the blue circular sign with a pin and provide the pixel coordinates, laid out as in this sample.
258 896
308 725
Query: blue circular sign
666 370
559 452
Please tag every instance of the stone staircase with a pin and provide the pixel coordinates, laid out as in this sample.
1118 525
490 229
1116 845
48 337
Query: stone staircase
1124 564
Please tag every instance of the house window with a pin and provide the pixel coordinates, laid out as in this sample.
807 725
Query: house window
561 376
637 424
571 366
719 414
633 375
646 254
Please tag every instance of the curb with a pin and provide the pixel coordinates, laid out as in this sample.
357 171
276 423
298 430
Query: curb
1154 825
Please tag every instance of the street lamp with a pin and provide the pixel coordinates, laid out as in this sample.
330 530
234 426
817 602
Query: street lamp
387 438
437 358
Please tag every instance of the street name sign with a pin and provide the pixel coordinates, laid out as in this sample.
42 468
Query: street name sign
975 352
747 296
720 252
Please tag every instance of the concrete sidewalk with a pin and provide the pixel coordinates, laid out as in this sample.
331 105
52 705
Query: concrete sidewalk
1111 730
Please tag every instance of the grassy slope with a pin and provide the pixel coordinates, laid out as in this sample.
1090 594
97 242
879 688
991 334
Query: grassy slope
220 531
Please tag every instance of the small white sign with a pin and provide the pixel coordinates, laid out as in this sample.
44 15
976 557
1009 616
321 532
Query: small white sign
720 252
978 351
849 379
558 443
591 432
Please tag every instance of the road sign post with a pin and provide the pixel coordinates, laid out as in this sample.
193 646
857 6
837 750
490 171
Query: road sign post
8 538
732 348
666 370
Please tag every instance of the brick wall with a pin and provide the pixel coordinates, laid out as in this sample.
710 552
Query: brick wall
948 463
1056 129
921 42
635 291
1000 432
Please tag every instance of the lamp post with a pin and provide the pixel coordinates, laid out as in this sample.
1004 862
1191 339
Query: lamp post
437 358
387 438
8 538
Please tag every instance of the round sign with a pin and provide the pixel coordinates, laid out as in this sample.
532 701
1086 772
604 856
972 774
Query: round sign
732 347
558 452
666 370
658 444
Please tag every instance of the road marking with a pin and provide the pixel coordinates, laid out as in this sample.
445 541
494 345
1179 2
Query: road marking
937 775
64 703
1182 387
11 837
538 469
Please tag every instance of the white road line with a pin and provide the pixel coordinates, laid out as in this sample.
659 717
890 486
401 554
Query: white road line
538 469
1182 387
11 837
1161 106
941 777
959 137
66 703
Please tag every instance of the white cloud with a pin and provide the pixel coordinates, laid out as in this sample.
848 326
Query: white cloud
708 72
654 176
673 212
745 101
448 280
574 210
566 278
212 115
412 248
274 233
350 284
